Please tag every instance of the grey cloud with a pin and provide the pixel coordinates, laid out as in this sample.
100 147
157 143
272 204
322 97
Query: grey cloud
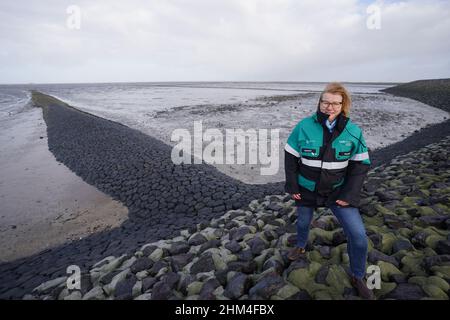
223 40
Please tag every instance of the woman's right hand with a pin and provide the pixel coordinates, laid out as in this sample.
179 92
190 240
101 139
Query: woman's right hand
296 196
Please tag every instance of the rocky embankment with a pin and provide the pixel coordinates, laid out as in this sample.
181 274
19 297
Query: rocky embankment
242 254
162 198
435 92
135 169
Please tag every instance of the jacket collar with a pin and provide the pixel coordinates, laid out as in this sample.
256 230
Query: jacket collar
341 120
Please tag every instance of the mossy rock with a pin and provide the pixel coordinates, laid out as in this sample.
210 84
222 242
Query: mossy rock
370 245
376 229
100 270
425 185
432 240
255 277
314 267
345 258
282 241
412 263
400 254
246 238
260 224
376 220
387 242
287 291
382 210
405 232
428 252
442 207
410 202
315 255
157 254
276 255
387 270
385 289
394 183
401 211
420 280
435 292
416 228
426 211
337 278
442 272
436 231
327 236
303 278
444 191
269 227
439 282
336 252
330 221
262 258
194 288
219 263
222 253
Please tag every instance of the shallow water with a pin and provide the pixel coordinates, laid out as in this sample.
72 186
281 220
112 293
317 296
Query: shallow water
134 99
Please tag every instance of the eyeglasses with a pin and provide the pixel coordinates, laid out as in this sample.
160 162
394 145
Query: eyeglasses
335 105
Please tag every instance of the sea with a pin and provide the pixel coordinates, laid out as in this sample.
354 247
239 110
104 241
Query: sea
126 101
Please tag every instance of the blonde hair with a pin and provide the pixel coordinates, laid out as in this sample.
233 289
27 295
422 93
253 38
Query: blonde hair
337 88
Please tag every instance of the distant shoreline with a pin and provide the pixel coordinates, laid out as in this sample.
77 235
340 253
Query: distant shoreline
147 82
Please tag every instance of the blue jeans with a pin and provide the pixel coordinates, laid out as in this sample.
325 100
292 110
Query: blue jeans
351 221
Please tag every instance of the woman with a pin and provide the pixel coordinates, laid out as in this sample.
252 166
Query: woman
326 161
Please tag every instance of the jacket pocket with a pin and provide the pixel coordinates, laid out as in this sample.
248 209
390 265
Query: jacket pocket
343 150
309 148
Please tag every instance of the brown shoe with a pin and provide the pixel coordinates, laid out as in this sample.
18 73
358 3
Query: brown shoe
295 253
361 287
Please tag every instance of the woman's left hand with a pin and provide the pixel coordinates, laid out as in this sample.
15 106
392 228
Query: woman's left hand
342 203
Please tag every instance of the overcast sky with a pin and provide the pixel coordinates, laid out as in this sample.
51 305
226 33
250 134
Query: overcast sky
223 40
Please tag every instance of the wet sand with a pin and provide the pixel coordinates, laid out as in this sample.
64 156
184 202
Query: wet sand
384 119
42 203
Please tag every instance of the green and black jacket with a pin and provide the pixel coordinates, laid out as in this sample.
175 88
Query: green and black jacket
324 167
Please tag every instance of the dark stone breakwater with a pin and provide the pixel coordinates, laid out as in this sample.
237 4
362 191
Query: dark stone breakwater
136 169
434 92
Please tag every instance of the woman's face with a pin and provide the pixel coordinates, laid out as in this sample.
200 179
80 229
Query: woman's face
331 104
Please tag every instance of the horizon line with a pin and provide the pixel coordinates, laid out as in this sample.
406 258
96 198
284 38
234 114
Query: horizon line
209 81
